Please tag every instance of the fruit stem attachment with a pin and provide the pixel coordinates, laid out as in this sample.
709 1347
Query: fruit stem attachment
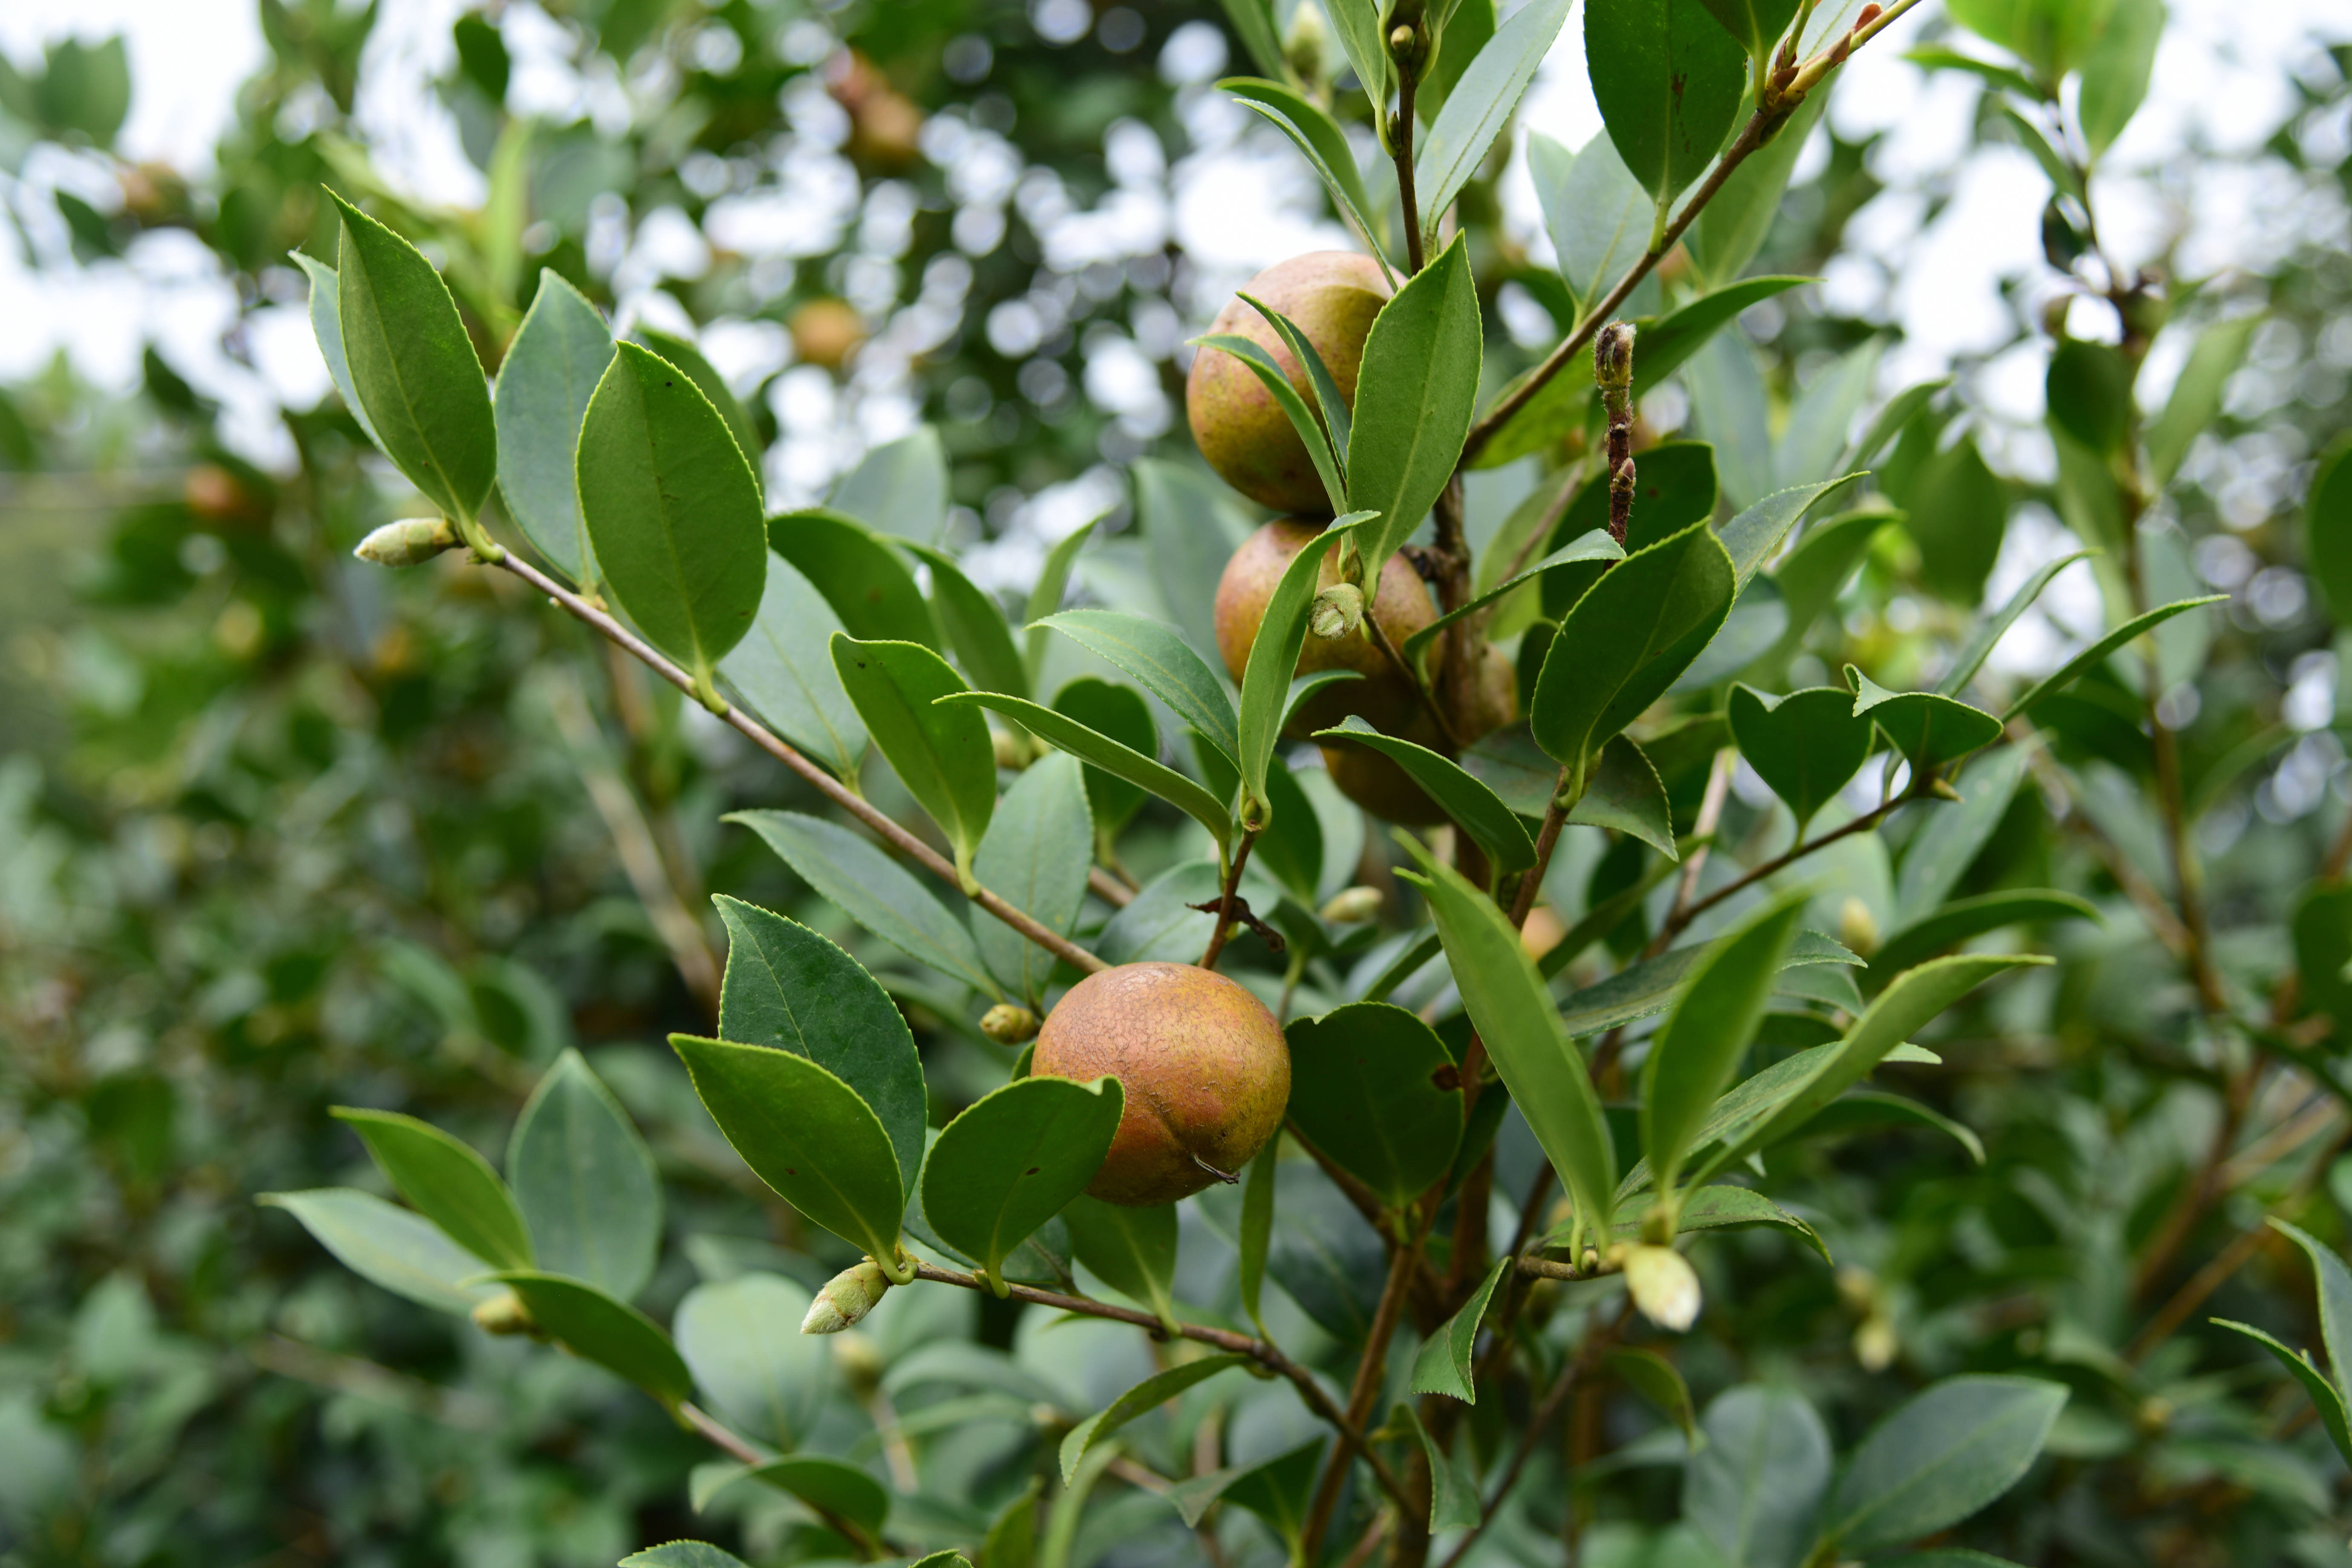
1226 904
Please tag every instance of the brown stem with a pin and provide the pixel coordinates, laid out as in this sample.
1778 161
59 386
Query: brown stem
1677 922
1109 888
1595 1342
1367 1382
2203 1188
735 1447
1406 202
1225 900
827 784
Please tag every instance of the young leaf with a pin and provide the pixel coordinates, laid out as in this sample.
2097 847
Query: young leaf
447 1182
1513 1013
940 751
1595 211
2324 1396
1627 640
1445 1364
1980 643
2066 674
1480 105
603 1329
975 626
806 1134
1273 657
1470 804
789 989
742 1339
1957 922
1694 1055
862 578
550 369
1929 730
2196 394
782 671
1668 79
875 891
327 326
1270 375
1453 1500
1142 1400
684 357
1941 1457
1415 395
427 401
1805 746
1374 1090
1256 1228
899 487
1166 665
1045 596
585 1182
1098 750
1038 849
1753 1487
1014 1160
388 1246
671 510
1325 146
1131 1250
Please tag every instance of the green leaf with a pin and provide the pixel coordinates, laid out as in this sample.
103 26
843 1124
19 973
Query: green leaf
672 511
550 372
1256 1228
1675 488
1045 597
1453 1500
1036 855
1142 1400
1375 1090
1012 1538
1940 1458
1470 804
861 577
1444 1362
1954 834
1132 1250
2327 528
585 1182
1509 762
1719 1207
1732 228
2066 674
602 1328
782 671
447 1182
805 1133
940 751
327 326
1627 640
1668 81
1652 985
1480 104
1752 537
2196 396
1012 1160
682 355
742 1339
1623 794
1594 545
837 1486
1757 24
1986 71
2116 69
2051 35
1271 376
975 626
1544 423
873 889
2089 393
1927 728
1862 1109
1957 922
427 401
1357 24
1703 1041
1815 437
2065 178
1664 346
1415 392
1956 510
1595 211
1273 659
1274 1489
1330 403
1753 1488
1100 752
1513 1013
1166 665
1654 1377
2334 1300
1817 569
2324 1395
1318 137
683 1554
1980 643
1253 24
789 989
1805 746
1900 410
388 1246
1192 526
899 487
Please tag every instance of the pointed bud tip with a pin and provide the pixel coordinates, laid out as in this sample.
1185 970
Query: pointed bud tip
1663 1285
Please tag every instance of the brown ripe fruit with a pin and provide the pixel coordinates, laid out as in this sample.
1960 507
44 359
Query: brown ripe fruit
1495 700
1402 608
1379 784
1332 295
826 331
1202 1064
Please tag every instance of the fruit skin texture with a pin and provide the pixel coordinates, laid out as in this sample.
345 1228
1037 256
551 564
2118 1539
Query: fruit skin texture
1402 608
1386 790
1202 1064
1332 296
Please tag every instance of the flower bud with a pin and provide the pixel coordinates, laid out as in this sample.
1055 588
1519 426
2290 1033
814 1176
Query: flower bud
1011 751
846 1300
1008 1024
1339 610
411 542
1857 927
1874 1343
1612 356
1353 906
1306 46
1664 1286
503 1314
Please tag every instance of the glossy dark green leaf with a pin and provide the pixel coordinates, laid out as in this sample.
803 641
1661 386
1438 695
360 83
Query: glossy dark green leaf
1290 849
1038 850
1661 347
1480 105
1453 1500
1256 1228
1595 545
975 627
550 372
1805 746
1941 1457
789 989
873 889
2322 932
861 577
1470 804
1509 762
1132 1250
1732 226
782 671
1513 1013
741 1339
806 1134
2066 674
427 401
683 1554
1927 728
1753 535
599 1327
836 1486
1109 756
1445 1359
1373 1088
1166 665
1274 1489
1319 138
2325 1397
1757 24
1273 659
1142 1400
1962 919
671 508
388 1246
898 487
327 326
1754 1487
1627 640
585 1182
940 751
1956 510
447 1182
1624 794
1940 853
2196 396
2089 390
1668 81
1012 1160
1654 1378
1415 392
684 357
1277 382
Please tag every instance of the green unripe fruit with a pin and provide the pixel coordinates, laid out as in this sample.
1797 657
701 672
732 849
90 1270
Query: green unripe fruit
1332 297
1401 608
1202 1064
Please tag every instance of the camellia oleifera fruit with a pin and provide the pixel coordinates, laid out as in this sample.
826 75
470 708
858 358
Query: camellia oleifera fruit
1386 790
1332 297
1402 608
1201 1061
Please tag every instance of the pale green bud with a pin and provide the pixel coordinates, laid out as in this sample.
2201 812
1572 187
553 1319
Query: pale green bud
1339 610
503 1314
1664 1286
411 541
1008 1024
1353 906
846 1300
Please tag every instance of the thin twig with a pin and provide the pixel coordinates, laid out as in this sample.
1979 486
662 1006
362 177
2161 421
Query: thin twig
1595 1341
727 1442
897 838
1406 201
1368 1380
1109 888
1225 900
1675 924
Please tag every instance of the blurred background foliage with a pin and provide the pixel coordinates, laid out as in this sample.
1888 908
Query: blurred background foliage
277 830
